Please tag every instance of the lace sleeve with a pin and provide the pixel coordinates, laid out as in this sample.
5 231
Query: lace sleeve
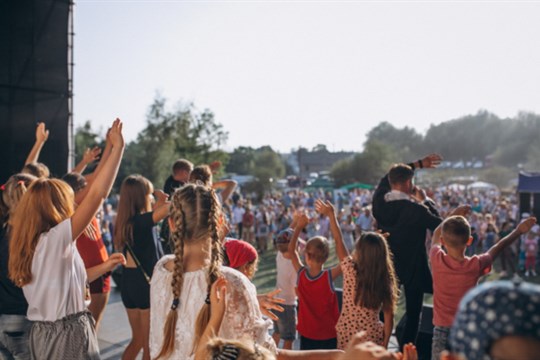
243 318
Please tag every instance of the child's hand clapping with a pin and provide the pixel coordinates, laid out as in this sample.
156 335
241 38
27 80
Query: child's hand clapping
325 208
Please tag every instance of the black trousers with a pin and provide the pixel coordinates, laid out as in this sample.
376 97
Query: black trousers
414 299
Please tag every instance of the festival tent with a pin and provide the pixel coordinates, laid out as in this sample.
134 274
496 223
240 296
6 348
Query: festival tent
480 185
529 193
357 185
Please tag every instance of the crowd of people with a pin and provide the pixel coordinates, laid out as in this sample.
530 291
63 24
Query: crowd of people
189 252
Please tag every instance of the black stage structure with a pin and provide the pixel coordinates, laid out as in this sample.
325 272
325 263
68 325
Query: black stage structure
36 68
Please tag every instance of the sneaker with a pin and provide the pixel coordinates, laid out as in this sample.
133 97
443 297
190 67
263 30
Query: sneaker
527 273
533 273
504 273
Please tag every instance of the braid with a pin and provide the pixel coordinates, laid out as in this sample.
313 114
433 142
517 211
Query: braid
216 257
177 281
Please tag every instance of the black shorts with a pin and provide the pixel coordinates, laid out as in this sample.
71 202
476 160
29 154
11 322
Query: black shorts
311 344
135 289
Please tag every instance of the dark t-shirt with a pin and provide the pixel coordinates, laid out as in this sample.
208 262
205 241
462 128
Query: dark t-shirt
12 301
146 244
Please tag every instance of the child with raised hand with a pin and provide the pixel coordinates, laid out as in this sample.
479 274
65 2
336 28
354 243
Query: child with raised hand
454 273
318 307
31 165
369 286
44 261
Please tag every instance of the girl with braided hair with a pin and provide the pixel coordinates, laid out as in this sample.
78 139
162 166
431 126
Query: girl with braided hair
181 283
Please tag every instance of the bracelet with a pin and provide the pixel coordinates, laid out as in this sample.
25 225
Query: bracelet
420 163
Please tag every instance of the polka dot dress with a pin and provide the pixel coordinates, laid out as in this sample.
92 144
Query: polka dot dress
356 318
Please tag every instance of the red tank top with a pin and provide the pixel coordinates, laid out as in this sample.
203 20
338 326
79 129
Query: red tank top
318 311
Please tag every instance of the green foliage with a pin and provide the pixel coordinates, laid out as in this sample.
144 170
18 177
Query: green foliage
366 167
170 135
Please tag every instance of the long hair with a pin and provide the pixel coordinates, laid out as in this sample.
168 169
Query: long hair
11 194
46 203
195 213
134 199
376 282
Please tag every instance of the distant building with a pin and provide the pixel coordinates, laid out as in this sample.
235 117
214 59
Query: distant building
318 161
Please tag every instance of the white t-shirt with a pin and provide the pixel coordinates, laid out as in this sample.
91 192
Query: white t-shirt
286 279
238 214
58 281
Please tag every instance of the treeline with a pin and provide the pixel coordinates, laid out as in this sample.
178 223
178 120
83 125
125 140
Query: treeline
512 143
186 132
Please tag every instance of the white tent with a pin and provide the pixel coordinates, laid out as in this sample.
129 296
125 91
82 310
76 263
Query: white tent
480 185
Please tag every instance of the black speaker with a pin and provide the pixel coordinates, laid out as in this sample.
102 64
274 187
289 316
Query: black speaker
425 332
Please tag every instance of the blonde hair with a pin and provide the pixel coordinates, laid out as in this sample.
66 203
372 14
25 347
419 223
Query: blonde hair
243 350
46 203
12 192
134 199
195 213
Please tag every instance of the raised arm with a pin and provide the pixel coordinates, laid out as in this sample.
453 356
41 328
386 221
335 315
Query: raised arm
161 208
522 228
227 187
42 134
101 186
89 156
301 222
327 209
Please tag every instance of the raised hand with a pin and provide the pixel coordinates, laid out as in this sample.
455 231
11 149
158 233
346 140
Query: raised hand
160 196
42 134
462 210
325 208
91 155
115 134
215 166
431 161
301 220
526 225
269 302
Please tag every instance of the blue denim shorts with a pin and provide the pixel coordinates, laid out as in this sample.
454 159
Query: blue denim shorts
285 326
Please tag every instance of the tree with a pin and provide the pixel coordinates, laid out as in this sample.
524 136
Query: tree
85 137
170 135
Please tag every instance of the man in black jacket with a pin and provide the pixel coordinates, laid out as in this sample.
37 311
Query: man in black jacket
405 212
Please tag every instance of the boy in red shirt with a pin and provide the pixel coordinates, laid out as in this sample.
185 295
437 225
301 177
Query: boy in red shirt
318 311
454 273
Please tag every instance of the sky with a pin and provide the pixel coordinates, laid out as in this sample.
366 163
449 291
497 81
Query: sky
302 73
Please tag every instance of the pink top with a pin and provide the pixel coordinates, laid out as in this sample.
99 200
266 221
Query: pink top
451 281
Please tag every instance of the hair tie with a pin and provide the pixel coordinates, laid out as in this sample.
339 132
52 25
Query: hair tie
207 300
228 352
175 304
3 187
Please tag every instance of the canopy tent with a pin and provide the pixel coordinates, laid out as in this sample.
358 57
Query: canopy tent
357 185
529 193
480 185
529 182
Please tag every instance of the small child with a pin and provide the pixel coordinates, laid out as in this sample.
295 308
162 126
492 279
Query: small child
318 306
454 273
531 249
285 326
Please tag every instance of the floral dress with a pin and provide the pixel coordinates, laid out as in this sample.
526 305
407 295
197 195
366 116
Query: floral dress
356 318
242 318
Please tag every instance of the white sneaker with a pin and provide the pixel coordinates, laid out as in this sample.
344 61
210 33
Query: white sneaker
527 273
533 273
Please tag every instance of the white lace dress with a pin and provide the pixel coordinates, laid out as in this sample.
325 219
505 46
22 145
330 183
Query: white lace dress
242 319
